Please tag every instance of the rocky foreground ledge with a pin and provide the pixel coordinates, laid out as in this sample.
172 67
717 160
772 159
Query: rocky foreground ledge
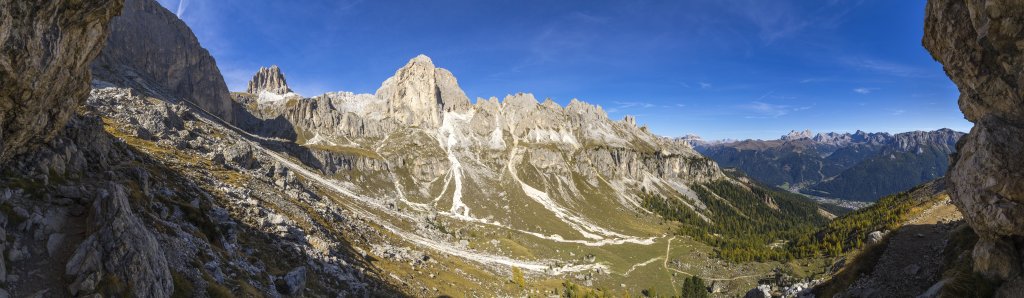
45 49
981 46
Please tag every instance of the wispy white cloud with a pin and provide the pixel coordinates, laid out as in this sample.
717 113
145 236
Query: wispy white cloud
182 5
760 109
864 90
886 67
586 17
704 85
763 109
813 80
565 37
633 104
774 19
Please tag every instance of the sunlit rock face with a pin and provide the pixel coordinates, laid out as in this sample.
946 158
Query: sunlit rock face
45 49
981 46
268 79
419 92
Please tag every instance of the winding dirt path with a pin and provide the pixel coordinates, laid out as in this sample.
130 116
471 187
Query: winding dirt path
912 261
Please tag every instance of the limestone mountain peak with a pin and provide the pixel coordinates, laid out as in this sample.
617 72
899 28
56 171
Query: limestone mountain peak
419 93
268 79
421 58
796 135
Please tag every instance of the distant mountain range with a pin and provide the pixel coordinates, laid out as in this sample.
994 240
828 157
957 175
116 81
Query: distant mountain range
859 166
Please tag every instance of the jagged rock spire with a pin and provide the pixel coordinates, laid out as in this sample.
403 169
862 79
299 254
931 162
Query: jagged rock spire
268 79
630 119
419 92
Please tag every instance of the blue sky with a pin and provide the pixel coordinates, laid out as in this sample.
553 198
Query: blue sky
716 68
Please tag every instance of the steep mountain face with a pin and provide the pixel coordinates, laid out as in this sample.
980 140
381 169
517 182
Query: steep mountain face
268 79
859 166
51 42
149 48
419 93
979 45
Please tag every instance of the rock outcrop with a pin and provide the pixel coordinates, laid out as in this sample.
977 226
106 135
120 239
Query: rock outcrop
269 79
419 92
45 49
123 247
151 50
980 46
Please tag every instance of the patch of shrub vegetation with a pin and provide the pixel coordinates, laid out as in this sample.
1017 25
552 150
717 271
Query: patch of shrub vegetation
182 286
517 277
694 287
572 290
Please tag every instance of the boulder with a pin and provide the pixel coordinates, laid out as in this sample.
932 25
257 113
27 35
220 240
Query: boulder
122 246
761 291
874 237
293 282
996 258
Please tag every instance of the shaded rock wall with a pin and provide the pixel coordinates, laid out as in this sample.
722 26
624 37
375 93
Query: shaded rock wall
981 46
150 49
45 49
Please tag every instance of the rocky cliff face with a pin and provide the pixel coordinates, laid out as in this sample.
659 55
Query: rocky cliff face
152 50
45 49
980 46
419 92
268 79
